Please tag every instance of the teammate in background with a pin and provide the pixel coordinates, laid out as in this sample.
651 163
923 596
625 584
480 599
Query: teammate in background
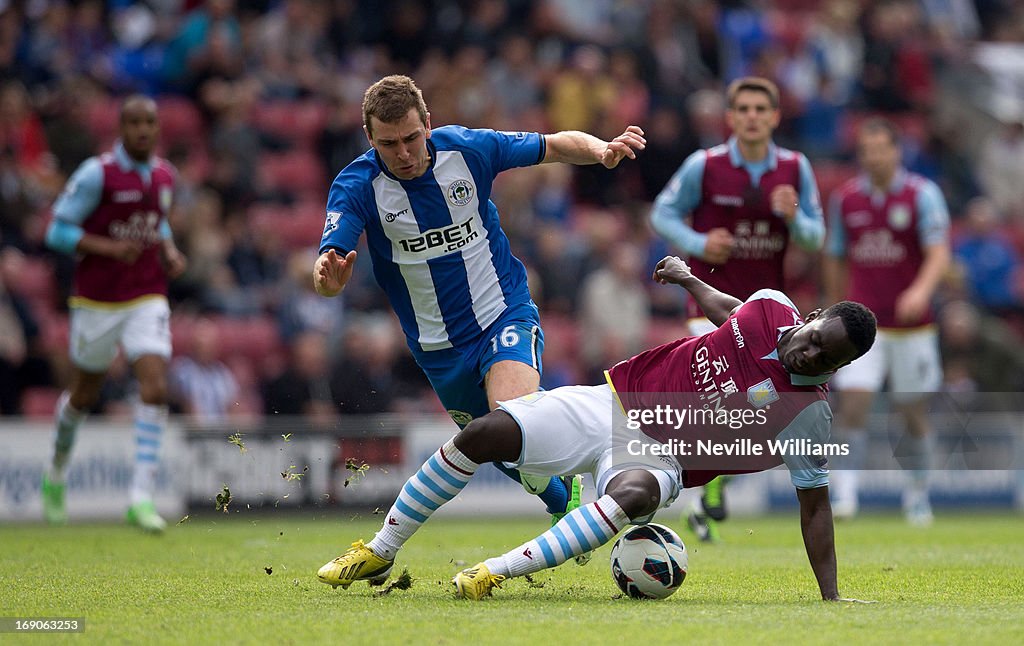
423 198
113 215
733 209
889 228
772 361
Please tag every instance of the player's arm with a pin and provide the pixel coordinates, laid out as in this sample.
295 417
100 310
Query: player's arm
78 200
802 213
809 475
672 210
580 148
933 231
173 259
716 305
819 538
834 274
345 223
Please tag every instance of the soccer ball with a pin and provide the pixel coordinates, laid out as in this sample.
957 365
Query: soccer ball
649 562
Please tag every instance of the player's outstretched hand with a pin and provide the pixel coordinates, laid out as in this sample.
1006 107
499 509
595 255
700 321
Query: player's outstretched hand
625 145
332 272
671 269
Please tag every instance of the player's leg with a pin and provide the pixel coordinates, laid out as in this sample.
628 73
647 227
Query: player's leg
510 364
493 437
510 379
584 417
147 345
916 373
632 495
93 346
72 409
708 510
857 383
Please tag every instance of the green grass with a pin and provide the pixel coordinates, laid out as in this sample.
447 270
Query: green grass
962 581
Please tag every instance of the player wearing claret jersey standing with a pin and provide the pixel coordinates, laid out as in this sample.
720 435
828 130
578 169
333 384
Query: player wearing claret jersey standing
733 209
113 214
888 247
422 196
769 363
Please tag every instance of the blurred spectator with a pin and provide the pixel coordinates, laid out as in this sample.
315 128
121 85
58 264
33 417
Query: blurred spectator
208 43
980 353
374 374
66 125
304 388
897 70
234 142
614 311
836 44
560 266
990 261
302 309
16 203
21 361
1001 168
514 78
582 93
669 142
342 139
21 130
705 110
202 387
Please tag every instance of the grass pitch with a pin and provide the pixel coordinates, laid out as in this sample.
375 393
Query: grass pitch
248 578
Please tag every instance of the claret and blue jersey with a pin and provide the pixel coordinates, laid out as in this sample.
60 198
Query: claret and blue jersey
435 241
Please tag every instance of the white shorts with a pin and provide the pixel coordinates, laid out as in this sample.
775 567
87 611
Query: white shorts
142 328
909 359
581 429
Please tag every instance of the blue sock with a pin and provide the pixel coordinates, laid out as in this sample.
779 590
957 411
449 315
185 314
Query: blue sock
556 496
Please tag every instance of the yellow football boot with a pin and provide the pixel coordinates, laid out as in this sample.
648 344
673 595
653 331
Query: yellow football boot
476 582
358 563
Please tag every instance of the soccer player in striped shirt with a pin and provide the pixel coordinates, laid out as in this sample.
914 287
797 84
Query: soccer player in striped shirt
422 196
763 361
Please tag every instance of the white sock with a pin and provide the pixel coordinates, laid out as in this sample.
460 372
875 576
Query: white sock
579 531
150 421
68 420
439 480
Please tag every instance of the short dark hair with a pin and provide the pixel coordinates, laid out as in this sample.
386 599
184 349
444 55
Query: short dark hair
133 99
881 124
390 99
752 84
858 321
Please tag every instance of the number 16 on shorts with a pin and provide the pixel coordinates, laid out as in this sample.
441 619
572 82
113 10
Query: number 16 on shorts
519 343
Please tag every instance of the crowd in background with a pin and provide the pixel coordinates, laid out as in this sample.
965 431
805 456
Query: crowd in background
260 107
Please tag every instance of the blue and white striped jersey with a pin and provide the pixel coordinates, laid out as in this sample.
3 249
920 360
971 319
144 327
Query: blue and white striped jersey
436 243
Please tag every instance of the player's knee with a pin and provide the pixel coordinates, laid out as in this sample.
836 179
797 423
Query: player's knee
636 492
495 437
